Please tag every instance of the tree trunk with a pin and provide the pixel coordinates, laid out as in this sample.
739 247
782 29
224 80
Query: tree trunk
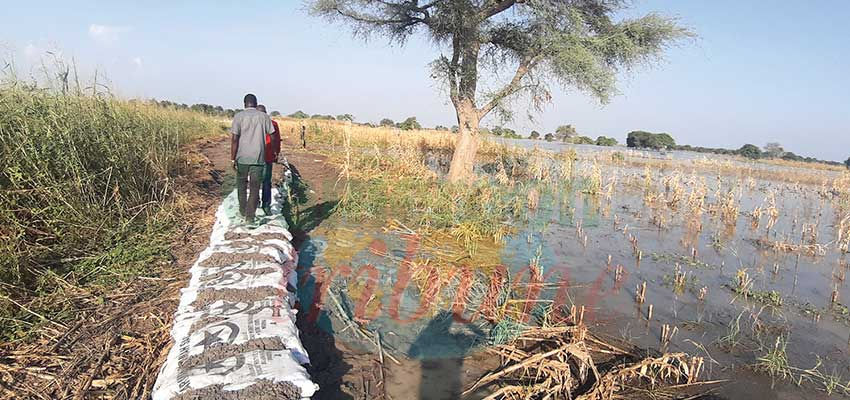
466 147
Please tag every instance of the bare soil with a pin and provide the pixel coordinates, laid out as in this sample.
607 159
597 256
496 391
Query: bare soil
262 390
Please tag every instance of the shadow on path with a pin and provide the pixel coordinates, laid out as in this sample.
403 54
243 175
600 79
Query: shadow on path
442 347
328 366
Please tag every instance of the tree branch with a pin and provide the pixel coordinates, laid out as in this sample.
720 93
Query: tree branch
525 65
495 8
452 73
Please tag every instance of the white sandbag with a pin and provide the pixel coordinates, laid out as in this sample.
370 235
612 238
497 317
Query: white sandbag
240 331
234 329
235 373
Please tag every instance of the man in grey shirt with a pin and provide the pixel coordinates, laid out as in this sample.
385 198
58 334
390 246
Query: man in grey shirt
247 146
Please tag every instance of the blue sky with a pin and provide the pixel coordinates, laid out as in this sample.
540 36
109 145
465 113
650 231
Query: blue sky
760 71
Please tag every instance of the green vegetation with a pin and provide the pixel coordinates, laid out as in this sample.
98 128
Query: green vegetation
674 258
774 150
321 116
582 140
648 140
215 111
582 45
386 122
534 135
774 361
86 195
606 141
750 151
847 162
345 117
550 137
409 124
565 132
299 114
504 132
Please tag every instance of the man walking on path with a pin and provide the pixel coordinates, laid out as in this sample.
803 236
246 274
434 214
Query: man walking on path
247 153
272 150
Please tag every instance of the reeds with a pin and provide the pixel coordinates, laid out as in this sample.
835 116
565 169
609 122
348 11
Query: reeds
566 362
85 184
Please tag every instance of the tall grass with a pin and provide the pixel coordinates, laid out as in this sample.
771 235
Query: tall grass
83 177
394 173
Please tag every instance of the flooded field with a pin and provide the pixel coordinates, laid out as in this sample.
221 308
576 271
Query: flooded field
742 263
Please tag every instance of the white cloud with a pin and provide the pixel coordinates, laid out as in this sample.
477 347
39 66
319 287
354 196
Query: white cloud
137 61
106 34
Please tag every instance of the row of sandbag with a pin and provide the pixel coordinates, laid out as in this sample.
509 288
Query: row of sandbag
234 331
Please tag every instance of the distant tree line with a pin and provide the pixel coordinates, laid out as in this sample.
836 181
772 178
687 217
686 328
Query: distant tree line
773 150
208 109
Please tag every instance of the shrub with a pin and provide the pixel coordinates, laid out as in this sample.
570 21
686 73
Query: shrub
299 114
549 137
790 156
649 140
750 151
565 132
505 132
583 140
275 113
345 117
606 141
386 122
534 135
409 124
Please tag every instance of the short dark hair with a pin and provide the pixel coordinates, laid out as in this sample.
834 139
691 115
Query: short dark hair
261 107
250 100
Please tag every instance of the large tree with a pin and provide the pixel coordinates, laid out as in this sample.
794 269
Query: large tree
575 43
774 150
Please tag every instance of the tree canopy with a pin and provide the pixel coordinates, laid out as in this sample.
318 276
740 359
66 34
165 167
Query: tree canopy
750 151
606 141
581 44
299 114
847 162
774 150
534 135
649 140
566 132
409 124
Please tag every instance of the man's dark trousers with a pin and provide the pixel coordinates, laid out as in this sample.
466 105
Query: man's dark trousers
248 180
267 184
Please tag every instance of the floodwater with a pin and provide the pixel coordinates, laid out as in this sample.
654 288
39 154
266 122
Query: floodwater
571 235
